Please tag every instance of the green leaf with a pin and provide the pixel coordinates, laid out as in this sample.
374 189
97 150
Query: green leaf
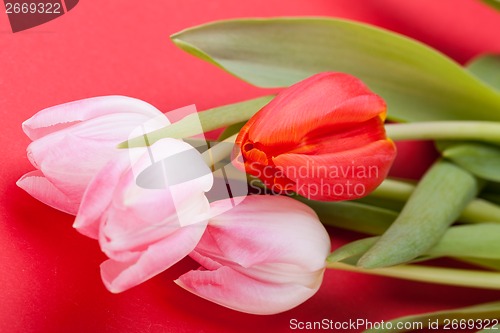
395 205
487 67
353 216
490 328
417 82
230 130
495 4
477 211
439 198
480 241
352 249
473 241
440 318
210 120
480 159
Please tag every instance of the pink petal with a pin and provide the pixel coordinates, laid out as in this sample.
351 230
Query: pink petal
61 116
71 157
71 163
99 195
267 229
142 213
237 291
139 228
120 276
126 232
43 190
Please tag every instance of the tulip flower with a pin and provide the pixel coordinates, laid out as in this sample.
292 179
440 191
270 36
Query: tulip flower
144 212
264 256
322 138
72 141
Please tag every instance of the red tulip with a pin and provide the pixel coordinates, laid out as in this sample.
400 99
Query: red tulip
322 138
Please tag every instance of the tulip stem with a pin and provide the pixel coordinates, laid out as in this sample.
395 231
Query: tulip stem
445 130
448 276
394 190
219 152
209 120
477 211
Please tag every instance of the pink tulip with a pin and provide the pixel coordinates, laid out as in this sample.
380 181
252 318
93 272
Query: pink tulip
146 215
72 141
264 256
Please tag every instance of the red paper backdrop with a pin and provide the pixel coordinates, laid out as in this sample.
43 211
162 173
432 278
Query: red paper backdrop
49 274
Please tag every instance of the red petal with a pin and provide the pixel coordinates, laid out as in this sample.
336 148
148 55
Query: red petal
345 175
333 139
335 98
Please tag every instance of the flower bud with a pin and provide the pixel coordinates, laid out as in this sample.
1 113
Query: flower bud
145 212
264 256
322 138
72 141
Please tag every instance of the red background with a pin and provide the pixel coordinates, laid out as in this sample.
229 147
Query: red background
49 274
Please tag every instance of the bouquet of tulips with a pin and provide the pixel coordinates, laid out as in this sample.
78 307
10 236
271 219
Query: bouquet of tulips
250 207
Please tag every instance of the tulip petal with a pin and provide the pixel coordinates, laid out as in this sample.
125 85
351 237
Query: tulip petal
338 176
71 157
43 190
323 98
260 230
137 211
62 116
145 211
120 276
265 255
98 196
232 289
334 138
126 232
145 230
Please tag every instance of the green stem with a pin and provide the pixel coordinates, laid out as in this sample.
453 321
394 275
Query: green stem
448 276
209 120
394 190
445 130
477 211
219 152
